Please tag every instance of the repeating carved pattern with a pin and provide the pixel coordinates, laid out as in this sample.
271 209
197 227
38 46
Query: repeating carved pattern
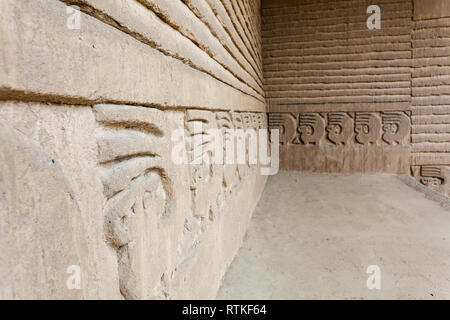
342 128
339 128
205 176
238 123
286 123
367 128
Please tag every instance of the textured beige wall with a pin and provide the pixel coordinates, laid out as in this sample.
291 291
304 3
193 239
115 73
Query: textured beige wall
351 99
86 118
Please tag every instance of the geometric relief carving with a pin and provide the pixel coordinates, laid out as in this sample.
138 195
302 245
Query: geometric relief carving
247 120
206 177
339 128
396 127
137 172
133 152
342 128
212 183
434 177
225 124
311 128
237 118
262 120
367 128
431 176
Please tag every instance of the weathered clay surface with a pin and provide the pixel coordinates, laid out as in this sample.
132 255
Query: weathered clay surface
319 247
344 141
87 120
99 63
55 207
134 221
350 99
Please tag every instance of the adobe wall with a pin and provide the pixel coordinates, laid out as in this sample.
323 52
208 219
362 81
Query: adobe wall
431 94
350 99
86 121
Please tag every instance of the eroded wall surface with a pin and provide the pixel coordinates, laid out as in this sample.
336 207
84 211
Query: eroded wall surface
87 118
431 94
340 93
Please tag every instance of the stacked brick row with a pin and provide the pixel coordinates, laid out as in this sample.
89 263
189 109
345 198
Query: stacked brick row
318 53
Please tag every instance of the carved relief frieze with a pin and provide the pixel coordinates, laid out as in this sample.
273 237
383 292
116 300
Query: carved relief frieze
339 128
311 127
206 177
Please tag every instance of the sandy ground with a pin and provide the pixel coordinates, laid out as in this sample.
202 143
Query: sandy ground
313 236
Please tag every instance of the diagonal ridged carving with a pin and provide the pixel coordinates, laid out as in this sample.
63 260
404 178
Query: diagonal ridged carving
132 147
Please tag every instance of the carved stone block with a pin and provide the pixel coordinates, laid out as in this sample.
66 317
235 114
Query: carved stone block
344 141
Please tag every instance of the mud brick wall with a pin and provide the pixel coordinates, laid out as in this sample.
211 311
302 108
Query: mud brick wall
86 118
350 99
340 93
